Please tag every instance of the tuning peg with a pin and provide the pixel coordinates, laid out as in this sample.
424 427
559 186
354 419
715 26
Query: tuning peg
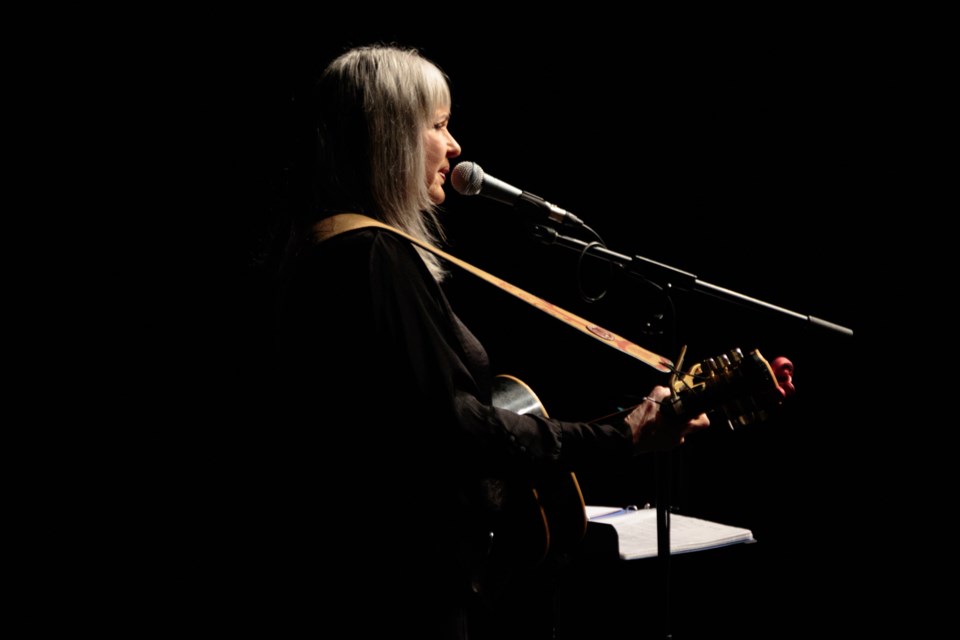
724 361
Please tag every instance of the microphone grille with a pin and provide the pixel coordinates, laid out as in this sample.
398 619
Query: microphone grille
467 178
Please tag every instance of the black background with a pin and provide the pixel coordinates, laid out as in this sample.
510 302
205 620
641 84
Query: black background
761 161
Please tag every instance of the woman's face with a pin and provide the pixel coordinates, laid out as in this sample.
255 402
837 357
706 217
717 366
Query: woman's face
438 147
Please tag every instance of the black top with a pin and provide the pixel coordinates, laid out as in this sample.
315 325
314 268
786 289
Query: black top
388 431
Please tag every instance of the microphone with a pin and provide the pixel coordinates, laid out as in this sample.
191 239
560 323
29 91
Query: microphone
468 179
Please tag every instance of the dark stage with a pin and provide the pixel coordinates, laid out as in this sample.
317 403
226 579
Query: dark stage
750 162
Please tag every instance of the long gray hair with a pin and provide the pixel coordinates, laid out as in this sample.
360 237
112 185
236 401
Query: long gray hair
374 103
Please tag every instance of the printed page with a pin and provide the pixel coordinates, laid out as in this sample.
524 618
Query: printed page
637 530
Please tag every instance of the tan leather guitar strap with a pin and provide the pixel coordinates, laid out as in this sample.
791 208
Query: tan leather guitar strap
334 225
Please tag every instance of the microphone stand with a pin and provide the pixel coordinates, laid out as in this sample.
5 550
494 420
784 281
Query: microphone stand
671 277
663 468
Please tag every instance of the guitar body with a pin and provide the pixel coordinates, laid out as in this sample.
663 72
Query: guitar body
549 515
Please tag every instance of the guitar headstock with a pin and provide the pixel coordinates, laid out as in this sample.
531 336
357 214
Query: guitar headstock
742 388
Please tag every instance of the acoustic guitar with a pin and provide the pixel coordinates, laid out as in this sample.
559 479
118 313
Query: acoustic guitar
549 515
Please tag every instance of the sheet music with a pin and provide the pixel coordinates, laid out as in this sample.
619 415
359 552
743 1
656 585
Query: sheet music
637 530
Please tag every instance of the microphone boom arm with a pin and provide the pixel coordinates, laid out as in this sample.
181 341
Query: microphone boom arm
672 277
